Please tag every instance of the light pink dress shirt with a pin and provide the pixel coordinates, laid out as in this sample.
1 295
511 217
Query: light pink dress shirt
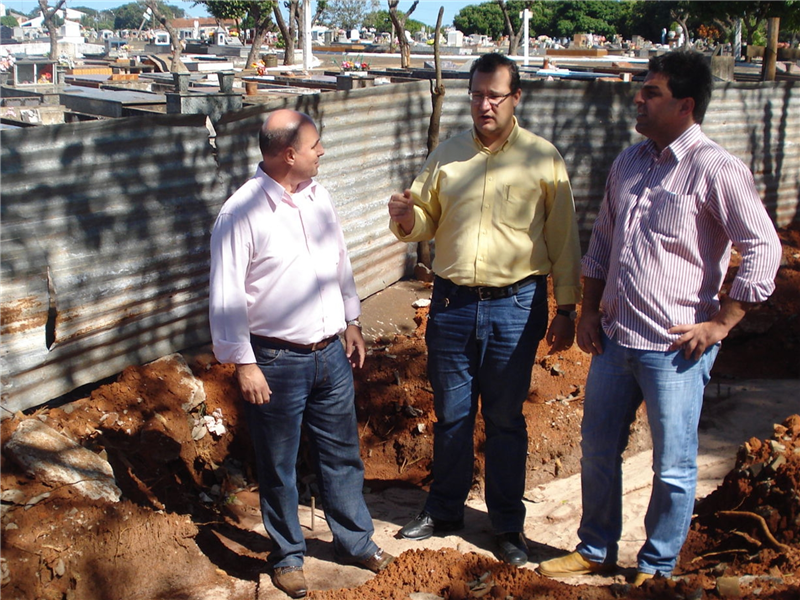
663 236
279 268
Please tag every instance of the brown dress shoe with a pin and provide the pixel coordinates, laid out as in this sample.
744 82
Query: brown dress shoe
291 581
377 562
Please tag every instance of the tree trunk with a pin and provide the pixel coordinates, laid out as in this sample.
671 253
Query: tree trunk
681 16
53 32
298 19
49 23
287 31
400 27
513 37
174 43
259 36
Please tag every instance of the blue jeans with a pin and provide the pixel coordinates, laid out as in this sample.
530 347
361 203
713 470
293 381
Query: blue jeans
672 389
482 348
315 387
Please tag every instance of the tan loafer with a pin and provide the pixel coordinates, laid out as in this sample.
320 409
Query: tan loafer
291 581
573 564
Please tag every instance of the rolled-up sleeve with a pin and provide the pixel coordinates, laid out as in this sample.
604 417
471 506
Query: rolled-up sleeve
747 224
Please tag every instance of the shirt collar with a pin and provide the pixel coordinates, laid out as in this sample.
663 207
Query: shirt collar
507 144
277 193
680 147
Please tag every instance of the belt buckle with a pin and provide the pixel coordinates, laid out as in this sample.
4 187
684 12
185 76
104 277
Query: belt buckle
484 293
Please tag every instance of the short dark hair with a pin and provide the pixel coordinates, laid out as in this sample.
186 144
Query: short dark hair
688 76
272 141
489 63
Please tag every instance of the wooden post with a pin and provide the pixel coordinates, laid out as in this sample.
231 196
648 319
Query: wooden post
771 51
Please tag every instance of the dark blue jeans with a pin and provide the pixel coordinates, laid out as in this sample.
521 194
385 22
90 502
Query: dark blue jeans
315 388
482 348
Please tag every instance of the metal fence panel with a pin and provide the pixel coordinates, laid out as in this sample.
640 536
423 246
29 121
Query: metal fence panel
105 225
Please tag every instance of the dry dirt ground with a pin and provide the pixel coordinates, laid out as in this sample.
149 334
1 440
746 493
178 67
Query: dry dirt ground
187 524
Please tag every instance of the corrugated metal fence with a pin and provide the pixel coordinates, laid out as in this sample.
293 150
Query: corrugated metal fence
105 225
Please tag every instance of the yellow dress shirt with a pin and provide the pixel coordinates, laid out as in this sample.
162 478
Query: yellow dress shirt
498 217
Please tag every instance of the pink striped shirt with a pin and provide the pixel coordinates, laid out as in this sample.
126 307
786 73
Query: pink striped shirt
663 236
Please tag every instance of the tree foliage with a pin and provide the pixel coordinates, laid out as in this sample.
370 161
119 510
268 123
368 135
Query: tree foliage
591 16
96 19
347 14
487 18
8 21
128 16
380 21
482 19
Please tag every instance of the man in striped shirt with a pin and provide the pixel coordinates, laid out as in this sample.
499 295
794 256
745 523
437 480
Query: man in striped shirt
652 316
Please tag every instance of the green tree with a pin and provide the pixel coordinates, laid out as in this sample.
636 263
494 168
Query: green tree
96 19
128 16
482 19
381 22
590 16
347 14
488 19
254 14
753 15
8 21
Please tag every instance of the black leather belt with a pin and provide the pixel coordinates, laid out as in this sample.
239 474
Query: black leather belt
493 293
279 344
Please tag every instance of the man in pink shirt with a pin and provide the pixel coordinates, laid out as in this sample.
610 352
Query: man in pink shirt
652 317
281 293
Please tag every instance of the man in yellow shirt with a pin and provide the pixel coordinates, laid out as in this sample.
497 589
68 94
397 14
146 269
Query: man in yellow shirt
498 201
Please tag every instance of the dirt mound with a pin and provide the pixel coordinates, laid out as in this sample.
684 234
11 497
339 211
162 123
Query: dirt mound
750 525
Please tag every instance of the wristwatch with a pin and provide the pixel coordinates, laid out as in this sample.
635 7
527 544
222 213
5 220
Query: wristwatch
355 322
570 314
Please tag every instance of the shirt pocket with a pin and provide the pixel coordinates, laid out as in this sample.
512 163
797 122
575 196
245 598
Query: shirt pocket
672 214
518 206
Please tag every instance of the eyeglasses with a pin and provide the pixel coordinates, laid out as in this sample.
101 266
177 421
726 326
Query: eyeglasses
494 100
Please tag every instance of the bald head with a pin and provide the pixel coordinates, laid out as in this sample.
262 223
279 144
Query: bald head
280 131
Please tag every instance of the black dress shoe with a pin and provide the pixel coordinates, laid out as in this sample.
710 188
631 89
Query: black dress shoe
512 548
424 526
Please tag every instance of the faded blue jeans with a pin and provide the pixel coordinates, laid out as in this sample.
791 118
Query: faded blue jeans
672 389
315 388
482 348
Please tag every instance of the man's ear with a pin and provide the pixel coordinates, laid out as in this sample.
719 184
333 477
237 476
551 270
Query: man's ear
687 107
289 155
